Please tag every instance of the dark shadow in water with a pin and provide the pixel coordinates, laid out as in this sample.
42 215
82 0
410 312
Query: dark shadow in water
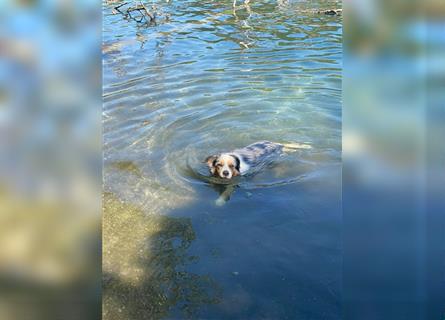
275 256
165 267
158 282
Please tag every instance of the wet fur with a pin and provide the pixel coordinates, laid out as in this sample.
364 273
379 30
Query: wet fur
246 160
241 161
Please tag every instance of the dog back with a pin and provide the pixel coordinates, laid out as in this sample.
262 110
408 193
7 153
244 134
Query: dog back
258 152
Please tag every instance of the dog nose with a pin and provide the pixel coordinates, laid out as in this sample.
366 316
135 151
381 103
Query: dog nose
225 173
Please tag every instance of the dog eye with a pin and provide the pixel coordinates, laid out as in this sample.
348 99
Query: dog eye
219 165
231 166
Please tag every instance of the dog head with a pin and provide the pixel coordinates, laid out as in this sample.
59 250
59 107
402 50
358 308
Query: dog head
224 165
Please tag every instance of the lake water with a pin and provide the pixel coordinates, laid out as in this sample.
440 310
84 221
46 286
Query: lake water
202 80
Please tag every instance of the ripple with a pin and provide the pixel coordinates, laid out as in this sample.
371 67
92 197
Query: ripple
207 81
179 91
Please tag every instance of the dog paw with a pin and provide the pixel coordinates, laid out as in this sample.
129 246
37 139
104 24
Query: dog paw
220 202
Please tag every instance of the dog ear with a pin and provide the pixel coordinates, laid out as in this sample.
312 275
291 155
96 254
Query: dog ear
211 162
237 165
237 162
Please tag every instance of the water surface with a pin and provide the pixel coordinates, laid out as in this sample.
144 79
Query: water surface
205 79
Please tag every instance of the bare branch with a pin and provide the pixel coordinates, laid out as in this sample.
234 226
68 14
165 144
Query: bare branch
121 5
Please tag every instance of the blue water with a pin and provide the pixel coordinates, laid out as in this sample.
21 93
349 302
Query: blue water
202 80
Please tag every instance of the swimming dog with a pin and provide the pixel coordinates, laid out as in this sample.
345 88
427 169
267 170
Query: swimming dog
248 159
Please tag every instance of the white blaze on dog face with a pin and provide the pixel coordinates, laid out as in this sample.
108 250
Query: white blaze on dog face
225 166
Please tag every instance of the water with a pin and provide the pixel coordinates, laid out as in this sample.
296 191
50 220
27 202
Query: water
202 81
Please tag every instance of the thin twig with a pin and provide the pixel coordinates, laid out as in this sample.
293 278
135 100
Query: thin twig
121 5
152 17
137 8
